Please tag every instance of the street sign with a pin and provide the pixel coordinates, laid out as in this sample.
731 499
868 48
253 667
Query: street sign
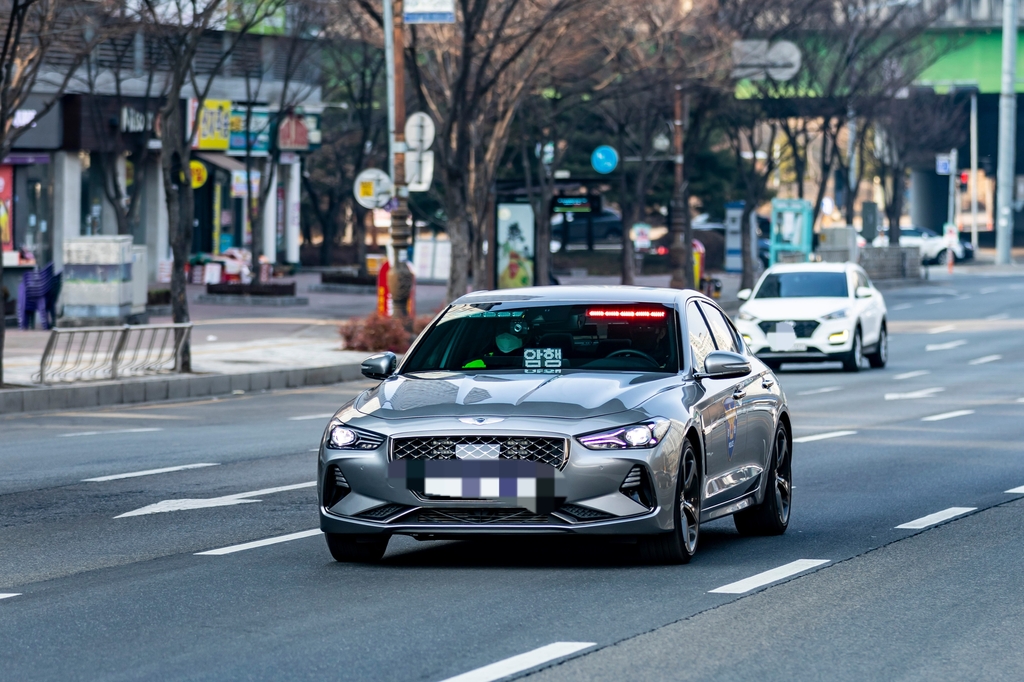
373 188
783 61
756 59
419 170
419 131
641 235
429 11
942 164
604 159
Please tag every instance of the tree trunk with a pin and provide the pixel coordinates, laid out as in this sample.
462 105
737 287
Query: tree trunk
180 210
359 237
458 233
747 278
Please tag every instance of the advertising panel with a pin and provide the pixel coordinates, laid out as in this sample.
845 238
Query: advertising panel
214 131
259 132
515 250
6 208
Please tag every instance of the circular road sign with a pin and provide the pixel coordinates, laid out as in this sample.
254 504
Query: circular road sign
419 131
373 188
604 159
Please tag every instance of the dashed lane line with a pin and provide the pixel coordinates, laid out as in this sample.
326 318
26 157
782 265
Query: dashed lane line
914 395
902 306
826 389
261 543
943 329
823 436
768 577
307 417
1016 491
522 662
949 345
933 301
998 316
947 415
8 595
985 359
937 517
911 375
149 472
106 433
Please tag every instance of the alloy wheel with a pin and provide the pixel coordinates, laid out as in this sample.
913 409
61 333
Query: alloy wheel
689 501
783 476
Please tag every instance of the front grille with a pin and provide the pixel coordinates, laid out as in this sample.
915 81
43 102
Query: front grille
804 329
551 451
480 517
383 512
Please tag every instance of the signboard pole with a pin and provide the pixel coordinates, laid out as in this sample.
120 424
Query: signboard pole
400 277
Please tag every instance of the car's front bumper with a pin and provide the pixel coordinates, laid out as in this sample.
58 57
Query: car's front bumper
589 498
823 345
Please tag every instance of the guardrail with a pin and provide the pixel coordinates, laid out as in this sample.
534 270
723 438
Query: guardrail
91 353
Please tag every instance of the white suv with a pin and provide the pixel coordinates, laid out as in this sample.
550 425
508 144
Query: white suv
933 247
815 312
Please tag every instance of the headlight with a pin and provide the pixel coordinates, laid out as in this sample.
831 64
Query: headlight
837 315
341 437
747 316
644 435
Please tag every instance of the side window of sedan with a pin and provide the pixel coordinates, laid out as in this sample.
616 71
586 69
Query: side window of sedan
701 341
721 329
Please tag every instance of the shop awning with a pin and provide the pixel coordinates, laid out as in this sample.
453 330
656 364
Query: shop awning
224 161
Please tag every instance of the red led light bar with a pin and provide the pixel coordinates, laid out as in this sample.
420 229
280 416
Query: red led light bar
625 314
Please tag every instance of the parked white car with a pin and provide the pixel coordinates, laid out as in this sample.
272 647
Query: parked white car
933 246
815 312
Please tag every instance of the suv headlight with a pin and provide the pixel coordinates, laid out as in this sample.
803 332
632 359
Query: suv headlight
837 315
635 436
342 437
747 316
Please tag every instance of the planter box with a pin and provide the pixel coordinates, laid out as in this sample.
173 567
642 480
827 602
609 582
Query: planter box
347 278
254 289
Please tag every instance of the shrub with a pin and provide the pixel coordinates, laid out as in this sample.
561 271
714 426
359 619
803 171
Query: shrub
375 333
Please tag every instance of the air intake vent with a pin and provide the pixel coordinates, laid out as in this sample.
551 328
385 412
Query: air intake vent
637 487
339 478
583 513
336 486
383 512
633 478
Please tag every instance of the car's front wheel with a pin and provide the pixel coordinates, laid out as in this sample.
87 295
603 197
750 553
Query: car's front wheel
355 548
878 358
771 517
853 359
680 544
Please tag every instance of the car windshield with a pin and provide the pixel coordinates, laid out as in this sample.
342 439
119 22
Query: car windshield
550 339
803 285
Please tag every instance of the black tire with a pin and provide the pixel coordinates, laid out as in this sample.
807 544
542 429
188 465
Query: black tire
356 548
852 360
680 544
941 256
771 517
881 354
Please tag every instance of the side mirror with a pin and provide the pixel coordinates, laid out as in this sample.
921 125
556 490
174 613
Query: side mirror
380 366
723 364
743 294
864 292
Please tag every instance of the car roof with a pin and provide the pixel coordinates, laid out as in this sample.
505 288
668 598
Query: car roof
812 267
583 294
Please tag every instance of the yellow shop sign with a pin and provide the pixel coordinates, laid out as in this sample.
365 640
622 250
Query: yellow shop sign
214 130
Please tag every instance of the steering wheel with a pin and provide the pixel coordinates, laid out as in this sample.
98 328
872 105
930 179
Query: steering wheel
633 352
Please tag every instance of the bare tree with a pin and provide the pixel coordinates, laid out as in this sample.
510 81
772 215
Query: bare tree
44 43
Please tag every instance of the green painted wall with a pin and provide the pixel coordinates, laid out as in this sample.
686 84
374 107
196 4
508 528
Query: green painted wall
978 59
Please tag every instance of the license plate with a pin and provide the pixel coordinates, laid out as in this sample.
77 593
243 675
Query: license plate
525 484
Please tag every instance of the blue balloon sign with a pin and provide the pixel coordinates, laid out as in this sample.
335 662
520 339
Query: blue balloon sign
604 159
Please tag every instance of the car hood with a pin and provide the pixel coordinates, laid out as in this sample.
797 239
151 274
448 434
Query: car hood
778 309
573 395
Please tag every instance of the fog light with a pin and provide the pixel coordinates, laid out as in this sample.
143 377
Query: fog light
747 339
838 337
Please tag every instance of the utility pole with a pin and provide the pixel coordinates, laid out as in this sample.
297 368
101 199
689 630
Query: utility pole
400 277
974 169
1007 137
680 250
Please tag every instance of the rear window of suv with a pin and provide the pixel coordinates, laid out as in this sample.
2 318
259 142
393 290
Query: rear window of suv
803 285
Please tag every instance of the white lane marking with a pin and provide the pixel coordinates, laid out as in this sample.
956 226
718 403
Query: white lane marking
989 290
947 415
823 436
827 389
8 595
307 417
261 543
148 472
949 345
1016 491
944 328
963 297
902 306
1020 400
937 517
998 316
933 301
517 664
985 359
774 575
911 375
104 433
225 501
914 395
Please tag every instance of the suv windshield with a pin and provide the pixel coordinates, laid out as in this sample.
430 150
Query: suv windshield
803 284
549 339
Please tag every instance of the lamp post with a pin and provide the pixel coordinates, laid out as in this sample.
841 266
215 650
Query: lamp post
679 250
400 277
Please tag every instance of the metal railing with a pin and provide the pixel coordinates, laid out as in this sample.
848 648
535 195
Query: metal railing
91 353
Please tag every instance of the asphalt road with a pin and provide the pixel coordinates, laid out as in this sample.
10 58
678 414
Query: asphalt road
103 594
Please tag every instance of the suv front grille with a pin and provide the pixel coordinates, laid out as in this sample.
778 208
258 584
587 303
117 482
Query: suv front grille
804 329
480 516
550 451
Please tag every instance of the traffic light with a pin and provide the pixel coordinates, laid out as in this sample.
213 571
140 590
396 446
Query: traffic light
964 177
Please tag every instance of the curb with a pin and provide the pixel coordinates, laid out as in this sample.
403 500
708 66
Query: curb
167 387
230 299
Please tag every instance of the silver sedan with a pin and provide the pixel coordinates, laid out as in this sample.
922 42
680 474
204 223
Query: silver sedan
622 411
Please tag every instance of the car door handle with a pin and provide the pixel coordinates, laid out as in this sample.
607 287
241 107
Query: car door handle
739 394
767 383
